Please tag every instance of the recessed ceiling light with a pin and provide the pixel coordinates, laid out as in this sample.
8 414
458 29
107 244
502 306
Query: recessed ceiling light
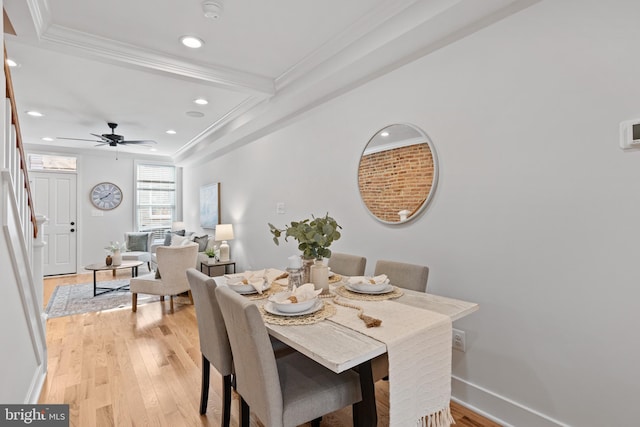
201 101
35 113
171 132
153 149
191 41
194 114
47 138
11 62
384 133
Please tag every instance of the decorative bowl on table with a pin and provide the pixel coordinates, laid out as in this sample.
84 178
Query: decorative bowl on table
248 282
248 288
286 303
368 287
367 284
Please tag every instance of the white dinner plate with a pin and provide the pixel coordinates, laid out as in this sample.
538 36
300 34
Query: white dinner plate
385 290
244 290
269 308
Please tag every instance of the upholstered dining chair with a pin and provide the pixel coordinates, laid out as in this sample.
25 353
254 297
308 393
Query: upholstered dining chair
214 342
408 276
347 265
173 263
283 392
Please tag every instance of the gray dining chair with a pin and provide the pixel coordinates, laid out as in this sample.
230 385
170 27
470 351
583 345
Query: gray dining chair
408 276
283 392
347 265
214 342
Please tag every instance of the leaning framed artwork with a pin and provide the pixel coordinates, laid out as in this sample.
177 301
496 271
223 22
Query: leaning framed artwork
210 205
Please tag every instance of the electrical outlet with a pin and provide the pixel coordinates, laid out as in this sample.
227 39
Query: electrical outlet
458 340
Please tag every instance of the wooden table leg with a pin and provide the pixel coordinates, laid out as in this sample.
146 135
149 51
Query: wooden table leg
365 413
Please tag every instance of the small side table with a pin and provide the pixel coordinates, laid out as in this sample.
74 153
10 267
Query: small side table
212 263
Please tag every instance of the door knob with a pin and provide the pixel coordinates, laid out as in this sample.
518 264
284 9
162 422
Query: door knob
73 229
73 223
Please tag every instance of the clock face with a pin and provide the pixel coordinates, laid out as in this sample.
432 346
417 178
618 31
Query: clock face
106 196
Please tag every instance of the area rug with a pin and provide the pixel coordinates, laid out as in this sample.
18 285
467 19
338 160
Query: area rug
77 299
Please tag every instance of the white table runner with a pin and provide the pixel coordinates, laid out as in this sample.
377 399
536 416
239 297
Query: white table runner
419 350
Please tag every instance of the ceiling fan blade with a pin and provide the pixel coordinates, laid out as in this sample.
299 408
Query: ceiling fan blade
142 141
100 136
78 139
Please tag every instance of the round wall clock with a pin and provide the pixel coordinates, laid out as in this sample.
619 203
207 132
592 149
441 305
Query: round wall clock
106 196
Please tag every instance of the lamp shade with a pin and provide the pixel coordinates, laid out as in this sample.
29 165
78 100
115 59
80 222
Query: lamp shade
224 232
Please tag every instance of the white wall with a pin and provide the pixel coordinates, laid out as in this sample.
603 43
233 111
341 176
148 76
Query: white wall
534 217
95 232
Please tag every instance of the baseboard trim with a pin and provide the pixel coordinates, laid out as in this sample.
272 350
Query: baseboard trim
36 385
497 408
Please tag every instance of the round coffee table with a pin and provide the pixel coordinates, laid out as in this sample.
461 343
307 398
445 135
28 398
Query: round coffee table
133 265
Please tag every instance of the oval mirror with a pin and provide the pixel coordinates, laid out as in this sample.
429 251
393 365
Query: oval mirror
397 174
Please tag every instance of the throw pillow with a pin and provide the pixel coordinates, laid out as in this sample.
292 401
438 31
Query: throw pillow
137 241
179 240
202 242
167 237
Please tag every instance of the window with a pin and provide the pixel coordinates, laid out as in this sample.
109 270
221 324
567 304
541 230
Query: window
50 162
155 197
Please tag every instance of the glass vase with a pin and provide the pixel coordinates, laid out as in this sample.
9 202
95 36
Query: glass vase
320 276
306 270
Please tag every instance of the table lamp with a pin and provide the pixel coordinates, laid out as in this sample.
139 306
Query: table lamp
224 232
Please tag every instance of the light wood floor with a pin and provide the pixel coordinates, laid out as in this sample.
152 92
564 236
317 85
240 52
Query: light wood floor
118 368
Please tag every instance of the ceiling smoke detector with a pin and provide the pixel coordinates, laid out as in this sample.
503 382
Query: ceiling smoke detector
212 9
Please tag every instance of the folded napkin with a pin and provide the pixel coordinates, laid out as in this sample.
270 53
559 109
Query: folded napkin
382 279
253 278
303 293
273 274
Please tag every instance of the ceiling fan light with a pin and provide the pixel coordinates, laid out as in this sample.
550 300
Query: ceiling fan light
192 42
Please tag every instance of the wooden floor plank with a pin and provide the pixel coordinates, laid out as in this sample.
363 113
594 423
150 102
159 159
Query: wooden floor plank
128 369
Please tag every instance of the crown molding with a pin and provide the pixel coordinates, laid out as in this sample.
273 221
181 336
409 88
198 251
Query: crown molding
89 45
410 37
359 29
234 115
40 14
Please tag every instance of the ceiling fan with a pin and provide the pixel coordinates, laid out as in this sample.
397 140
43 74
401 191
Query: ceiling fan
112 139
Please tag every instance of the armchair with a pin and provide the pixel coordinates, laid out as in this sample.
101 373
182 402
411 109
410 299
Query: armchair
138 247
173 263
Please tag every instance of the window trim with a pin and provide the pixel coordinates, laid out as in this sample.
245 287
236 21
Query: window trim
178 189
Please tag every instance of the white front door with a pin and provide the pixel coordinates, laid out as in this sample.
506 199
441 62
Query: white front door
55 197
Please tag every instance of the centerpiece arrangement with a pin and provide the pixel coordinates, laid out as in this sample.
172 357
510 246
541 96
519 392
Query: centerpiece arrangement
314 237
114 253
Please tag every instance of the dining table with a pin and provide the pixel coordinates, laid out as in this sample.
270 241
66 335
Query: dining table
339 348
